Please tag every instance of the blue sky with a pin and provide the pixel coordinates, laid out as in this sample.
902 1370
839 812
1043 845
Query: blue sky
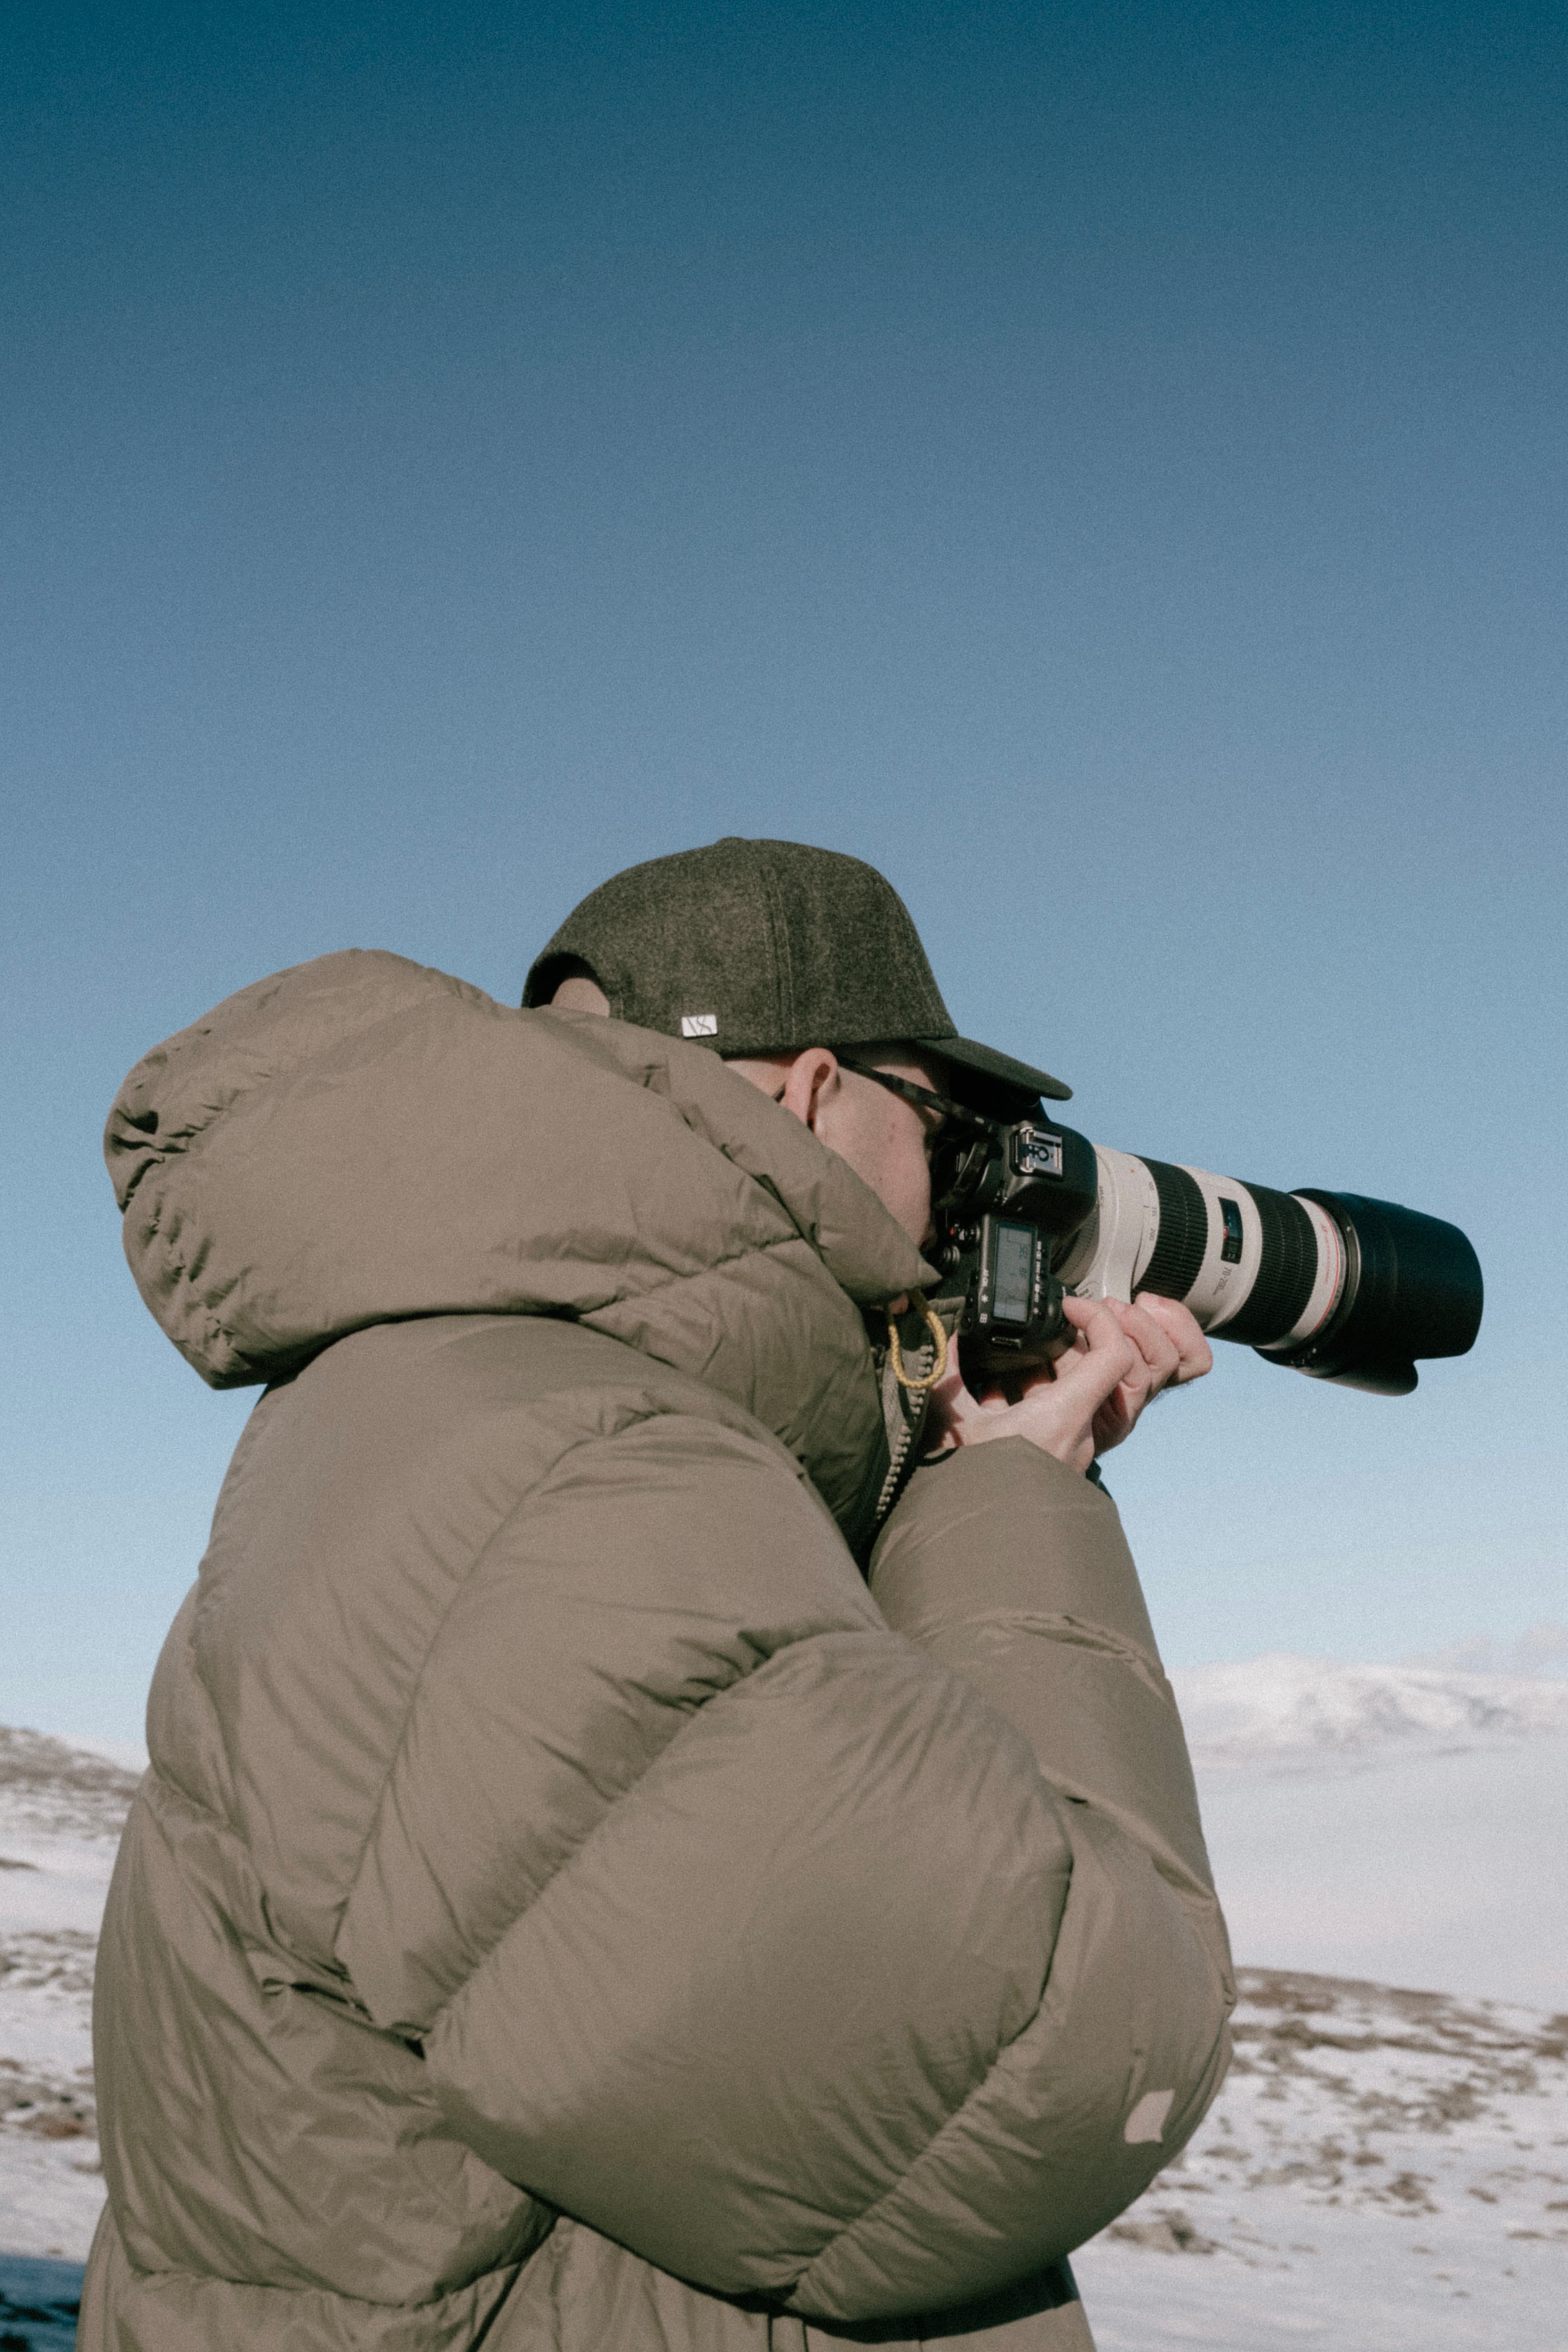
1104 463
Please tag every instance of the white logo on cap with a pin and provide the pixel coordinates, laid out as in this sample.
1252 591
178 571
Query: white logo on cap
699 1025
1147 2120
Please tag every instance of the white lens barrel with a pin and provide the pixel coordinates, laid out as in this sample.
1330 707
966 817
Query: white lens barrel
1128 1223
1237 1249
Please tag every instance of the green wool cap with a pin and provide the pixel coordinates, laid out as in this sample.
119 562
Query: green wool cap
765 947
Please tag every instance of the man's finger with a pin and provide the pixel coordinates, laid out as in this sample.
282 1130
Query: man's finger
1153 1358
1194 1356
1153 1342
1108 1358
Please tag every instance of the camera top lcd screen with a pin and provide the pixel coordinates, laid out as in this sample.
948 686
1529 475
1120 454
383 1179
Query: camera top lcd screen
1012 1275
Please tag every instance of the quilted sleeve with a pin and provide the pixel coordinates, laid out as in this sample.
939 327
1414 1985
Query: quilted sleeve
1013 1571
829 1994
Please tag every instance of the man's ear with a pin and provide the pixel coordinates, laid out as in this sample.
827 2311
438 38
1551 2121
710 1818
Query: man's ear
578 994
810 1084
567 982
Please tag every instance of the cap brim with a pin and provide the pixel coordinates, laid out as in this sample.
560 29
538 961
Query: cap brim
1012 1087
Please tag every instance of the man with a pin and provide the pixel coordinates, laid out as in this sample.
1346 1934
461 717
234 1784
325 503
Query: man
654 1842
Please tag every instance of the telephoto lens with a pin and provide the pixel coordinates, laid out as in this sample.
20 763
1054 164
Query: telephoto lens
1332 1283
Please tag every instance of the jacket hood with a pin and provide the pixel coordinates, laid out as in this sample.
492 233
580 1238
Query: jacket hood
361 1139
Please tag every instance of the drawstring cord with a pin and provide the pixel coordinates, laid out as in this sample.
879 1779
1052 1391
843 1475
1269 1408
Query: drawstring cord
896 1353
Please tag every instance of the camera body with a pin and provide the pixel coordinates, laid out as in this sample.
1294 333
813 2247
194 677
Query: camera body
1335 1285
1010 1202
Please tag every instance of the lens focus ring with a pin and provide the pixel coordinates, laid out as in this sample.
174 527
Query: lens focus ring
1183 1234
1286 1273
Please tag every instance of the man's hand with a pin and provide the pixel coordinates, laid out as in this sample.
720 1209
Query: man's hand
1091 1397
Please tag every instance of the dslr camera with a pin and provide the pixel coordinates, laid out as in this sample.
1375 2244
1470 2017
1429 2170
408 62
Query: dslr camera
1332 1283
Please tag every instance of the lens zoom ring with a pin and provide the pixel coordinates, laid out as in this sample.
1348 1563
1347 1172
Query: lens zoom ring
1183 1234
1285 1272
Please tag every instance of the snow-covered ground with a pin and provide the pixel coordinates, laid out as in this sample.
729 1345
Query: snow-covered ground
61 1813
1384 2168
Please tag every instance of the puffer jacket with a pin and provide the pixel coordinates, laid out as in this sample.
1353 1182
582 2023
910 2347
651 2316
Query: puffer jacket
573 1906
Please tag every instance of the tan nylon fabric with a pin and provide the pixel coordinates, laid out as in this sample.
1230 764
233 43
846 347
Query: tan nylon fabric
566 1906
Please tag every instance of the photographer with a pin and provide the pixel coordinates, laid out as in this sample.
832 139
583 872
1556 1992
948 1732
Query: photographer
661 1831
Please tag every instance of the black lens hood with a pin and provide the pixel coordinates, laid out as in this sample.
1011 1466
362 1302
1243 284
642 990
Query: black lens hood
1411 1287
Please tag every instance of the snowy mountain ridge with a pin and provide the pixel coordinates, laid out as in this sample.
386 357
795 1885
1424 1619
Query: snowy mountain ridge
61 1788
1284 1711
